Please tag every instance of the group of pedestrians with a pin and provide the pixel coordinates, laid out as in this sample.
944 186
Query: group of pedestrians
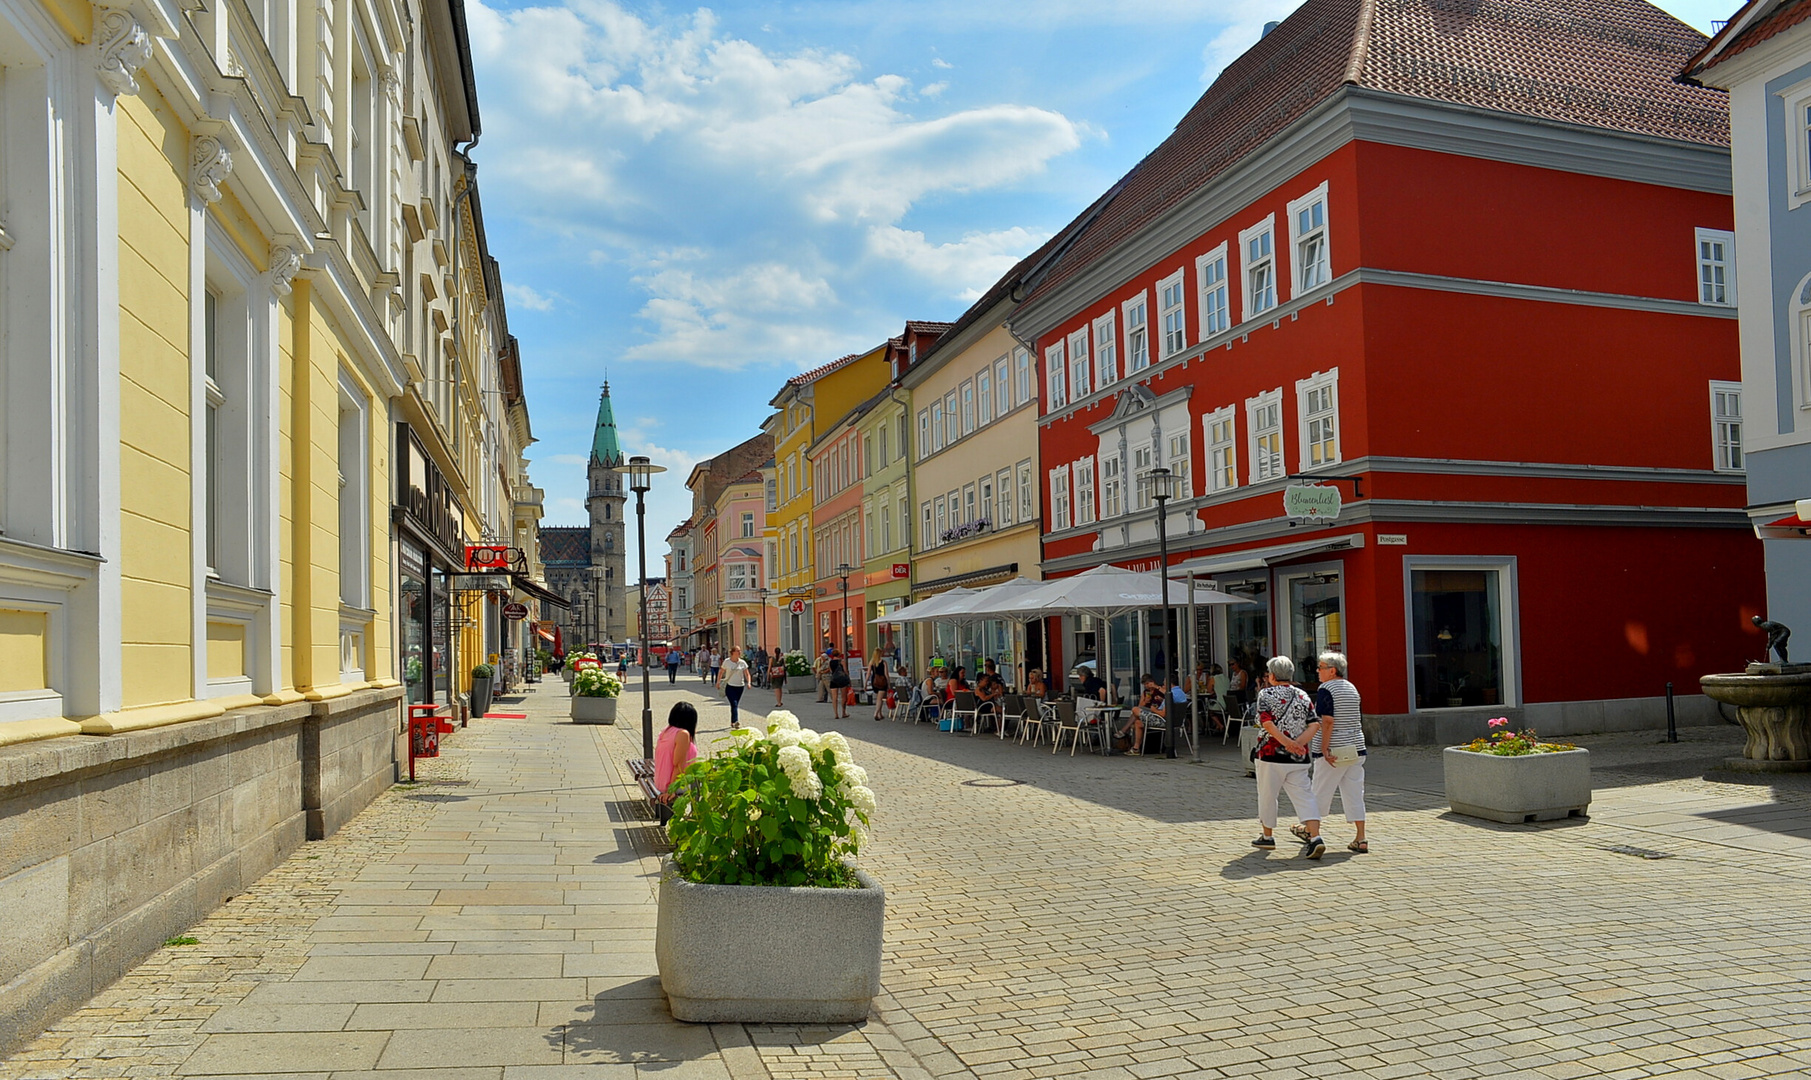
1312 747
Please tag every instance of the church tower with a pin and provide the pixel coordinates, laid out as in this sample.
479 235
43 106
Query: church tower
609 544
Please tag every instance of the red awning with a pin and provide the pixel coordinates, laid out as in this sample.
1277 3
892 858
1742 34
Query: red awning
1795 527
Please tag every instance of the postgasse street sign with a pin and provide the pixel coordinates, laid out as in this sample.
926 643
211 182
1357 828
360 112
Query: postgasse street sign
1313 501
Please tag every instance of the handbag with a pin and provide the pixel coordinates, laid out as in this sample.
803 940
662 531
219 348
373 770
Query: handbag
1341 756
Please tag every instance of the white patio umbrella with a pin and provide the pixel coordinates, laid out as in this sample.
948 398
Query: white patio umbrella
926 609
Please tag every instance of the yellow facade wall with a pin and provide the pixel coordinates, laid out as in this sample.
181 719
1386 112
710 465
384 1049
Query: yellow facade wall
226 650
286 547
24 650
155 381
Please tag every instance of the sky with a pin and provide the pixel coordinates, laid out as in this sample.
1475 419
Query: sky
696 203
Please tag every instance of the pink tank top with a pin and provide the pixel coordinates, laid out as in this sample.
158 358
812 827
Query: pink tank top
665 768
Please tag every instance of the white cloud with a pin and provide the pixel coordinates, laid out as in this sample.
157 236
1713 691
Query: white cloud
965 267
525 296
1245 21
729 182
940 62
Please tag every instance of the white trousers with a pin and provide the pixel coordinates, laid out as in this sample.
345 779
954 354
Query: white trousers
1349 780
1273 778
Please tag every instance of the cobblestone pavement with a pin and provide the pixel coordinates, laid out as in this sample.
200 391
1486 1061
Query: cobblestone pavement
1048 916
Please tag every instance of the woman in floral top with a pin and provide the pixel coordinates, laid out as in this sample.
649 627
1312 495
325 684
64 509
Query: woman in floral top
1286 713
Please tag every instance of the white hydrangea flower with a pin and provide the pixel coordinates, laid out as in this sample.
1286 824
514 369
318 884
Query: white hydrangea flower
794 759
782 719
811 740
862 797
754 813
850 774
838 746
785 740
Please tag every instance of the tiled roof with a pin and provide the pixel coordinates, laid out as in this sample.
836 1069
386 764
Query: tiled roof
927 327
822 370
566 545
1597 63
1758 21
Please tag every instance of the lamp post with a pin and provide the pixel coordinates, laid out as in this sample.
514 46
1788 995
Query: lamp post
641 480
761 621
843 570
1158 481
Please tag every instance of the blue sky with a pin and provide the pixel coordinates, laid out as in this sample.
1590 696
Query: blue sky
699 202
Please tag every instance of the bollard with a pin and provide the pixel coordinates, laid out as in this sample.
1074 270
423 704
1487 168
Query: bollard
1672 725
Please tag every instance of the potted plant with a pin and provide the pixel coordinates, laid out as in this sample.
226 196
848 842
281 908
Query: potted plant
761 833
798 673
577 664
482 677
594 693
1514 777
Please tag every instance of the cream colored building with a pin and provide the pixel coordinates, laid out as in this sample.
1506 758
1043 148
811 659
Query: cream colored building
977 515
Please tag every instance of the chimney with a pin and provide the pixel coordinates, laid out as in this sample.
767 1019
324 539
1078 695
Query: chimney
1268 27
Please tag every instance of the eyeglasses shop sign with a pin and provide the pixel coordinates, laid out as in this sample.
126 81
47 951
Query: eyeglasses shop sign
1312 501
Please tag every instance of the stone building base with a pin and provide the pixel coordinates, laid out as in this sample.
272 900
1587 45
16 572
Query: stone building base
111 845
1449 727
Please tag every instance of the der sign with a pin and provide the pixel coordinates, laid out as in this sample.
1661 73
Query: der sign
1314 502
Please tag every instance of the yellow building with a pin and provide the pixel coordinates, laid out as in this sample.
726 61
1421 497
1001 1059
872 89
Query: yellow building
247 304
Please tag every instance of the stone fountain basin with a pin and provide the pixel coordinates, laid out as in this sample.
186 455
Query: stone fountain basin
1758 691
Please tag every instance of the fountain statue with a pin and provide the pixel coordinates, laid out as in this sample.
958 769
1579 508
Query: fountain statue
1773 703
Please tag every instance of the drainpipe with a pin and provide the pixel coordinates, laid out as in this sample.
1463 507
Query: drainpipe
910 525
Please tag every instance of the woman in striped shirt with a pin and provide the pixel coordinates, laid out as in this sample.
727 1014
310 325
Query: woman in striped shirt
1340 763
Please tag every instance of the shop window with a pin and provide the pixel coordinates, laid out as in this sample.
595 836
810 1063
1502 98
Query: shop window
1726 426
1313 607
1247 639
1459 628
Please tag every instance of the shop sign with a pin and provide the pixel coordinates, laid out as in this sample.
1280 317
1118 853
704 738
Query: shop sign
493 557
901 571
797 607
1316 502
515 611
481 582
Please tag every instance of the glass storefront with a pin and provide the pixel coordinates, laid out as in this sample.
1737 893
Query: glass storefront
1315 623
441 624
1458 647
413 608
1247 639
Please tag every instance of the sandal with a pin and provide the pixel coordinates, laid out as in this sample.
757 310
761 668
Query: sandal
1300 831
1358 847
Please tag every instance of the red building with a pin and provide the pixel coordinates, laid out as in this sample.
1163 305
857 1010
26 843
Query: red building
1453 259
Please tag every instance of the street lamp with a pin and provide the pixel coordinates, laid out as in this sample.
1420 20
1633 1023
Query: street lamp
1159 482
641 480
761 622
843 571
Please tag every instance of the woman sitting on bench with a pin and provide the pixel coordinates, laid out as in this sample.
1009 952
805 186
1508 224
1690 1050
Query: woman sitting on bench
676 748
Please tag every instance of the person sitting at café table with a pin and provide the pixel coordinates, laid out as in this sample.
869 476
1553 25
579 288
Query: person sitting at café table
988 692
958 684
1091 685
1150 707
1034 684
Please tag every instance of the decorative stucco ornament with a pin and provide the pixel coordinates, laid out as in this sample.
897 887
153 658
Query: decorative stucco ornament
284 262
124 47
209 164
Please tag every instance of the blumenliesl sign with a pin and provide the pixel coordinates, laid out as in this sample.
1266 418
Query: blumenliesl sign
1313 501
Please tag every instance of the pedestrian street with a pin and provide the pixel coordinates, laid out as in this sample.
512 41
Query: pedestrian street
1048 915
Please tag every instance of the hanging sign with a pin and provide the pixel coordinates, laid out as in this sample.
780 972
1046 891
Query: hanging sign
902 570
797 607
481 582
515 611
1312 501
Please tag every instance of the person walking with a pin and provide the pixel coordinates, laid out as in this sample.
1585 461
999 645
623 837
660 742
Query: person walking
715 660
1286 713
878 682
1340 763
776 675
674 657
734 679
839 687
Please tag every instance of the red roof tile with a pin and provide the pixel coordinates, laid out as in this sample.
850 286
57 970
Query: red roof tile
1598 63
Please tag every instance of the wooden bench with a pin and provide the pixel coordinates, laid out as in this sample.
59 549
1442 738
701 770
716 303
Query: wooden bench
642 769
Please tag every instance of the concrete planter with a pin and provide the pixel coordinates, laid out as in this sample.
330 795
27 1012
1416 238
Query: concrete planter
481 696
593 710
801 684
757 955
1528 787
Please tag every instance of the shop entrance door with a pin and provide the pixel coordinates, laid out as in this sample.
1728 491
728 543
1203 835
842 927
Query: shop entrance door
1313 623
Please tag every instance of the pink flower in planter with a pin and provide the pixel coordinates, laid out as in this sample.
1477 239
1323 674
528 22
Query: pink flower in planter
1501 721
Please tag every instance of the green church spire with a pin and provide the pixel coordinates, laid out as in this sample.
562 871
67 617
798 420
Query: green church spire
605 450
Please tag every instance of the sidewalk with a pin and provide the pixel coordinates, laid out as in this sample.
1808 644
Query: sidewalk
1047 916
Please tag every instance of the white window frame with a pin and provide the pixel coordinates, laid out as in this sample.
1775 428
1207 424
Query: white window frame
1705 243
1106 351
1267 465
938 430
1214 292
924 434
1056 373
1024 481
970 504
1004 504
1024 384
928 525
952 418
1798 139
1726 428
1180 462
1135 317
984 397
1112 483
1256 299
1509 627
986 485
1003 402
1310 252
1309 414
355 486
1084 491
748 524
1220 434
1173 318
1059 498
968 407
1143 460
1080 365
